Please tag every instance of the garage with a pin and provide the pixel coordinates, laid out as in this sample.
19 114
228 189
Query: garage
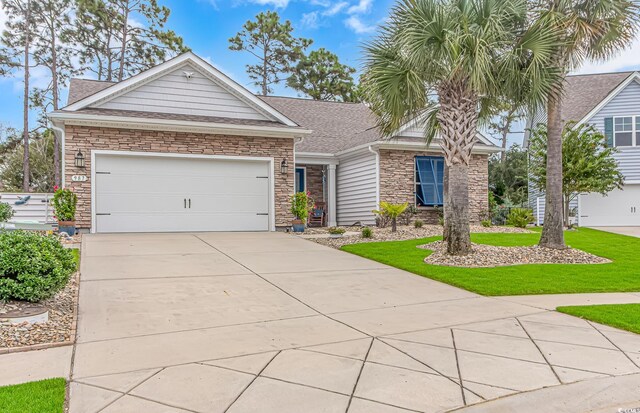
618 208
145 192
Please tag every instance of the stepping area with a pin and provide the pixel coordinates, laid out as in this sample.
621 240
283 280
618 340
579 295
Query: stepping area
267 322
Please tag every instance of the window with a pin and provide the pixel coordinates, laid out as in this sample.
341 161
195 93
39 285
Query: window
637 130
429 181
301 177
623 131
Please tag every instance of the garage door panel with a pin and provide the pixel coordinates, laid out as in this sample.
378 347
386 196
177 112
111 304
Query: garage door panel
147 194
618 208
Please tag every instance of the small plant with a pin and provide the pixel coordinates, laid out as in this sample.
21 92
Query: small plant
64 204
441 221
393 211
520 217
418 223
336 230
301 205
33 267
440 212
486 223
406 217
367 232
6 212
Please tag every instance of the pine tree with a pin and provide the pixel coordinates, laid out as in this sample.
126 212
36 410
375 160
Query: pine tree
321 76
272 43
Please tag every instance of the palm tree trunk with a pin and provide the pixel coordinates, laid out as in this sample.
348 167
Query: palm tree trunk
552 230
458 120
456 220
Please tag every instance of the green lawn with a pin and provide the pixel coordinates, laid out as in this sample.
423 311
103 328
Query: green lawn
46 396
624 316
623 274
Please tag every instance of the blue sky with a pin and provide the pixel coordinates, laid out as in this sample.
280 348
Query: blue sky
206 25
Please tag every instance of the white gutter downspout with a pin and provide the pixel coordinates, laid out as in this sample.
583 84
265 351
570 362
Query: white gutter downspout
377 154
62 147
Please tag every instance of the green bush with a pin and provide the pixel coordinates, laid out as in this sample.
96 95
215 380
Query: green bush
486 223
64 204
367 232
301 205
6 212
418 223
337 230
520 217
33 267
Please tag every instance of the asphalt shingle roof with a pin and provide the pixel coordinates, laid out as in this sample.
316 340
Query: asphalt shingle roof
585 92
82 88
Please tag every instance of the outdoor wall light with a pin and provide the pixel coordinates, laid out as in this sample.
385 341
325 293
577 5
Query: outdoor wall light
284 167
79 159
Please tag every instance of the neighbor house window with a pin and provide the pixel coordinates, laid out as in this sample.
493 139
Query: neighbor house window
637 130
623 129
429 181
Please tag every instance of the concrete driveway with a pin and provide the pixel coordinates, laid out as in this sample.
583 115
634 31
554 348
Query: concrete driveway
267 322
631 231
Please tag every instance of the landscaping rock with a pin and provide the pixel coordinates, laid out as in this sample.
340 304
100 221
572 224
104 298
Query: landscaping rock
58 329
492 256
404 232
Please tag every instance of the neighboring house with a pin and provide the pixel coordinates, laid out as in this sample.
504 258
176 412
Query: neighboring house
611 103
182 147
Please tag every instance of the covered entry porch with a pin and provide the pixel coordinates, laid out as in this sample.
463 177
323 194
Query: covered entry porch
316 174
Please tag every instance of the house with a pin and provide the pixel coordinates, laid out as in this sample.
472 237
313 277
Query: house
182 147
611 103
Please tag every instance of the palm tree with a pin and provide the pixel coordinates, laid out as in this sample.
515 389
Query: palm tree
446 63
586 30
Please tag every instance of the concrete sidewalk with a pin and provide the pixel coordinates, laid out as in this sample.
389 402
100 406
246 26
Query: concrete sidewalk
267 322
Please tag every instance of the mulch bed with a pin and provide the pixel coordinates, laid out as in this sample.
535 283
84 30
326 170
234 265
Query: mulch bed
60 328
492 256
404 232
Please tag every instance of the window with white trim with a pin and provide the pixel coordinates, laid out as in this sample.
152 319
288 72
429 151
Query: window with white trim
625 128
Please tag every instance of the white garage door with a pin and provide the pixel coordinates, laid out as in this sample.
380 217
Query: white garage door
617 209
163 194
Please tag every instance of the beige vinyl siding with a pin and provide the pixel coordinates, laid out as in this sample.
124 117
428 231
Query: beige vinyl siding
357 188
174 93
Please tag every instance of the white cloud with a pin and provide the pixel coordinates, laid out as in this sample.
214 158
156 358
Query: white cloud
363 6
310 20
626 60
335 9
279 4
355 24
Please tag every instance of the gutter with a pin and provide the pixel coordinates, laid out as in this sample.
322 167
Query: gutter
377 155
73 118
417 146
61 134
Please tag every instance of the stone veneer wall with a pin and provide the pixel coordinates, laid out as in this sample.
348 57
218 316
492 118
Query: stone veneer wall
397 182
88 138
314 182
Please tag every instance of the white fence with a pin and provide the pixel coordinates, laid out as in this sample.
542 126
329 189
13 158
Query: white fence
37 207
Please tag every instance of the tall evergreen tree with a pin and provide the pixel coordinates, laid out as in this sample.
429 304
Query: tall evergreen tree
272 43
18 39
114 45
321 76
51 49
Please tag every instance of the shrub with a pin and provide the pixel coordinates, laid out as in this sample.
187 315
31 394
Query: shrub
33 267
64 204
392 212
418 223
406 217
336 230
301 205
520 217
6 212
486 223
367 232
